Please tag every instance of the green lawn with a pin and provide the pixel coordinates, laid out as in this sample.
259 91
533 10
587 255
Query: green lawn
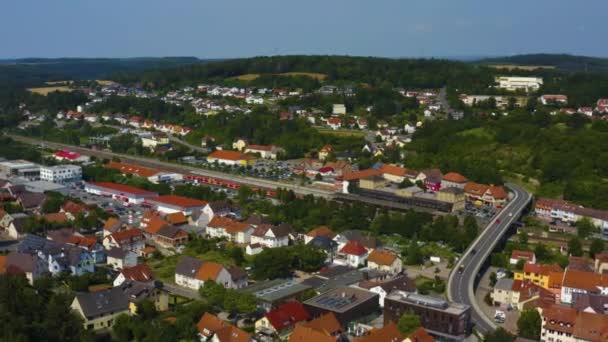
341 132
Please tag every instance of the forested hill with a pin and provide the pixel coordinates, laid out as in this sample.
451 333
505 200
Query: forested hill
561 62
422 73
34 71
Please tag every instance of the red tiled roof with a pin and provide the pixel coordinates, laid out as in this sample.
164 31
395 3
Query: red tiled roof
153 222
420 335
559 318
475 188
73 207
230 155
54 217
231 333
353 248
323 231
388 333
303 333
82 241
178 201
141 273
287 315
208 271
177 218
498 192
259 147
584 280
361 174
394 170
209 324
127 234
122 188
231 226
517 254
454 177
591 327
381 257
327 323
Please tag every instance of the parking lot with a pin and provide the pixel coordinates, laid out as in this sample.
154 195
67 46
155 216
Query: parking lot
128 213
275 170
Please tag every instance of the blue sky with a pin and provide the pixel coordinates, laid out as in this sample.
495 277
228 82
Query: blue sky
241 28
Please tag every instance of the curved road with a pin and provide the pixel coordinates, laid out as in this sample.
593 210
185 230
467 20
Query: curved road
461 282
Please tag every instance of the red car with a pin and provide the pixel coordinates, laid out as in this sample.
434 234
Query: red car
497 221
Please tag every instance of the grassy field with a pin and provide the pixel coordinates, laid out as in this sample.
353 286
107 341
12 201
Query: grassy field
341 132
479 132
251 77
46 90
164 269
104 82
316 76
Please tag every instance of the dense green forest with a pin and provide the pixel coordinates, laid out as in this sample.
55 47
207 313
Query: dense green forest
553 155
35 71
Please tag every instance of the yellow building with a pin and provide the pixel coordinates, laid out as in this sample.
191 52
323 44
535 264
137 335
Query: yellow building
372 182
453 195
544 276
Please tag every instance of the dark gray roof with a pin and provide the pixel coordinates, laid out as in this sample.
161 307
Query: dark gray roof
117 253
401 282
23 261
168 231
32 243
19 223
237 273
356 235
323 242
31 199
277 289
220 206
136 291
597 302
256 220
103 302
188 266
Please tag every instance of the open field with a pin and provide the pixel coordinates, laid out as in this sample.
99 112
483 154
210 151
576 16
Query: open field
46 90
104 82
251 77
341 132
520 67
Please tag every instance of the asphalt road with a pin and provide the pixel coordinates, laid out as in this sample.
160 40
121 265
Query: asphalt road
460 284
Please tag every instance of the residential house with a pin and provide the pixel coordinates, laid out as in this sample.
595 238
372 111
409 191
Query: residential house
202 217
266 152
224 227
117 258
162 231
22 263
131 239
153 291
389 333
327 324
100 309
521 294
368 241
302 333
432 179
271 236
282 320
193 273
353 254
325 151
419 335
488 195
112 225
140 273
319 231
602 106
385 286
547 100
212 329
16 225
90 244
59 258
453 180
527 256
582 282
384 261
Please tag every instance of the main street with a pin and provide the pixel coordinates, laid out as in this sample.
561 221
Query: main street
462 279
166 166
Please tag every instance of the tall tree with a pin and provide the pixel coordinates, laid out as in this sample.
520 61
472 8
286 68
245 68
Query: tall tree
529 324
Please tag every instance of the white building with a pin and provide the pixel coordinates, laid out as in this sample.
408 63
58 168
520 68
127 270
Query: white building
61 173
339 109
513 83
271 236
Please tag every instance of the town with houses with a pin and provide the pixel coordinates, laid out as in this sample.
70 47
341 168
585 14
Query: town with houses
144 241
